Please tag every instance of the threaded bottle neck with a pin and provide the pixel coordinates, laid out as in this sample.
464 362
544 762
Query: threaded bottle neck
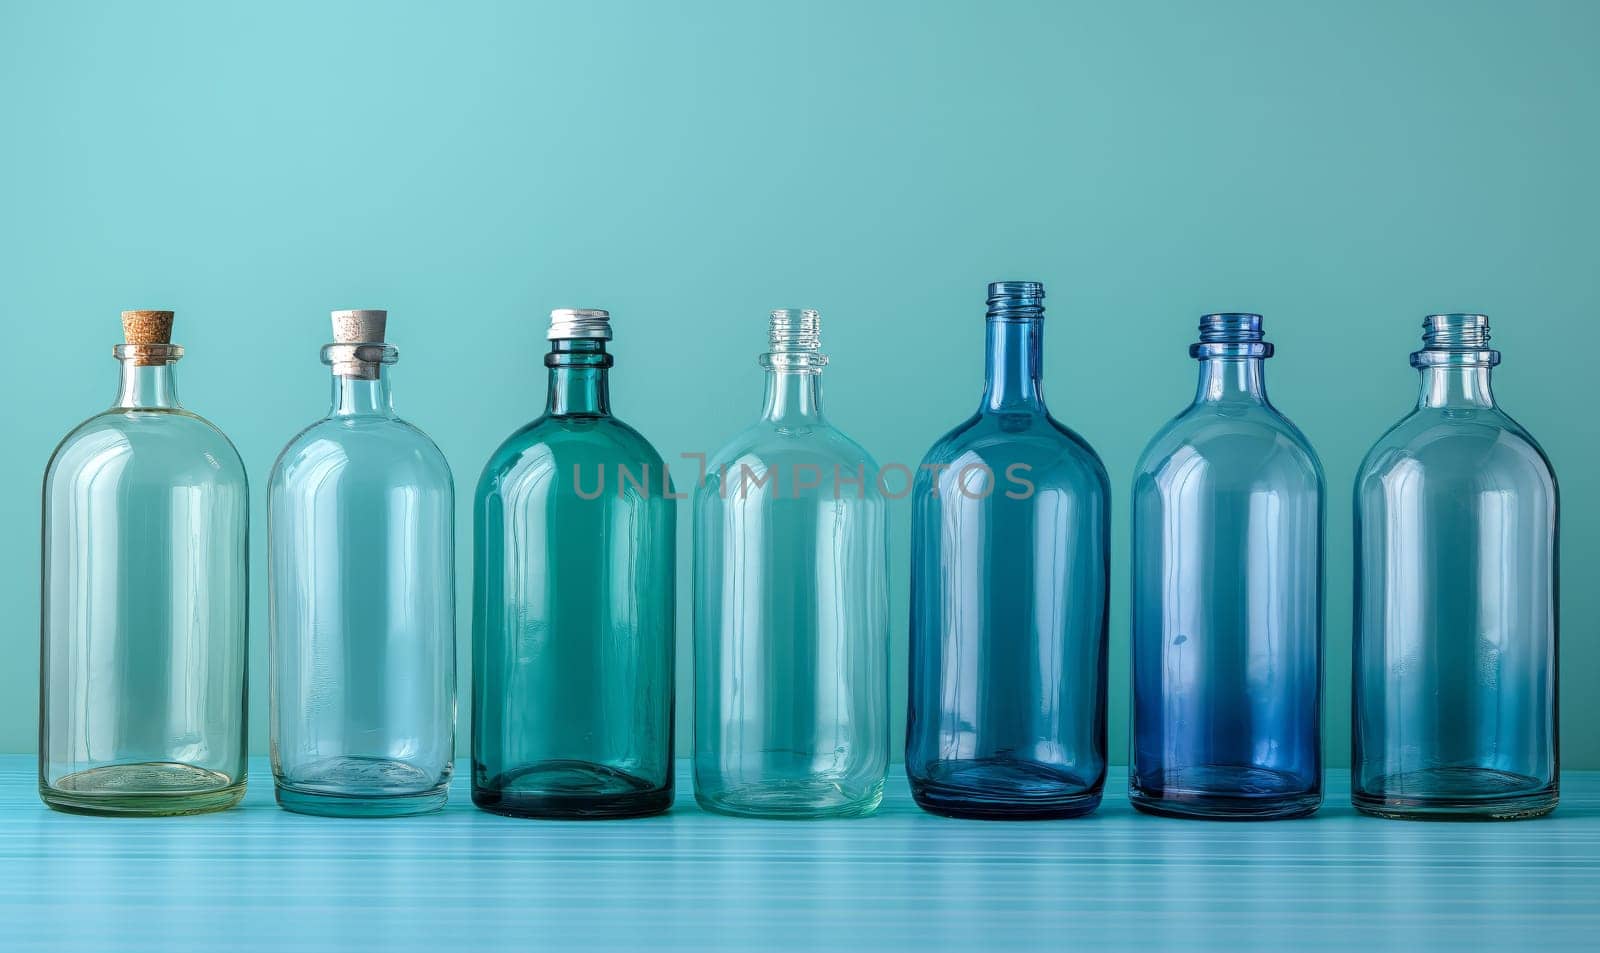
794 364
1460 340
1455 332
1455 362
1015 333
1231 334
794 338
1231 350
1016 301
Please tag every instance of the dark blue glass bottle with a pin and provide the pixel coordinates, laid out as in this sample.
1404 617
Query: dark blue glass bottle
1456 517
1009 584
1227 598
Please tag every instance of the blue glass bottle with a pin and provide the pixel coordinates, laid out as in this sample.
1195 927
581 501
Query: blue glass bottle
573 603
1456 520
1010 579
361 589
144 601
791 607
1227 598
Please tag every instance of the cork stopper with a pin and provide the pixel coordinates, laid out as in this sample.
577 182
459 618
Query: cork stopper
359 326
147 327
358 349
148 337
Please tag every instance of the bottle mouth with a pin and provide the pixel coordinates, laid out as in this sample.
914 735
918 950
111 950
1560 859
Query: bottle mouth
148 355
579 353
1231 334
1461 339
361 361
1016 301
794 337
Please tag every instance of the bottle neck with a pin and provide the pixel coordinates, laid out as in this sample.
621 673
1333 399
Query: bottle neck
1011 382
1458 386
148 386
794 396
579 385
1455 362
362 397
1231 380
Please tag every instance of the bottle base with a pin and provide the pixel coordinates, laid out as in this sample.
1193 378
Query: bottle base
1005 790
1226 793
361 786
1457 794
791 799
147 789
572 791
358 805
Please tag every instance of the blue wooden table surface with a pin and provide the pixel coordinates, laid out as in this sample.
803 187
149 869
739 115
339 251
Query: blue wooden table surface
258 878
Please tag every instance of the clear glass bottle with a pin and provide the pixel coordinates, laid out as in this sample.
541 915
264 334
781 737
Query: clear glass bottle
573 603
361 581
1456 517
1227 598
1009 589
791 606
143 615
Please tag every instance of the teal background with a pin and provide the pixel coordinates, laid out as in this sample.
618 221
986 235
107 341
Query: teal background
1343 169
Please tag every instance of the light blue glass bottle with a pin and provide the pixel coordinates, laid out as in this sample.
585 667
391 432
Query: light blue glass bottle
1010 579
144 601
361 580
573 603
791 606
1456 523
1227 598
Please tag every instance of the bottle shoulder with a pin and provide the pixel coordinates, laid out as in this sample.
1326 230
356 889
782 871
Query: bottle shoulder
175 445
764 444
998 440
391 449
551 443
1251 441
766 465
1480 445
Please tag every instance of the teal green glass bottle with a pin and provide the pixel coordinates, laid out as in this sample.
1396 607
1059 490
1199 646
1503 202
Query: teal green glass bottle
791 606
144 601
573 604
361 590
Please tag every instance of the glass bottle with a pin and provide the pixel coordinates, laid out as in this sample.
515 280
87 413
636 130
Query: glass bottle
791 606
1227 598
573 621
143 615
361 580
1456 516
1009 590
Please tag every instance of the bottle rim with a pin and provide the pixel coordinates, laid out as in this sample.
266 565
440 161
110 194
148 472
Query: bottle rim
148 355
